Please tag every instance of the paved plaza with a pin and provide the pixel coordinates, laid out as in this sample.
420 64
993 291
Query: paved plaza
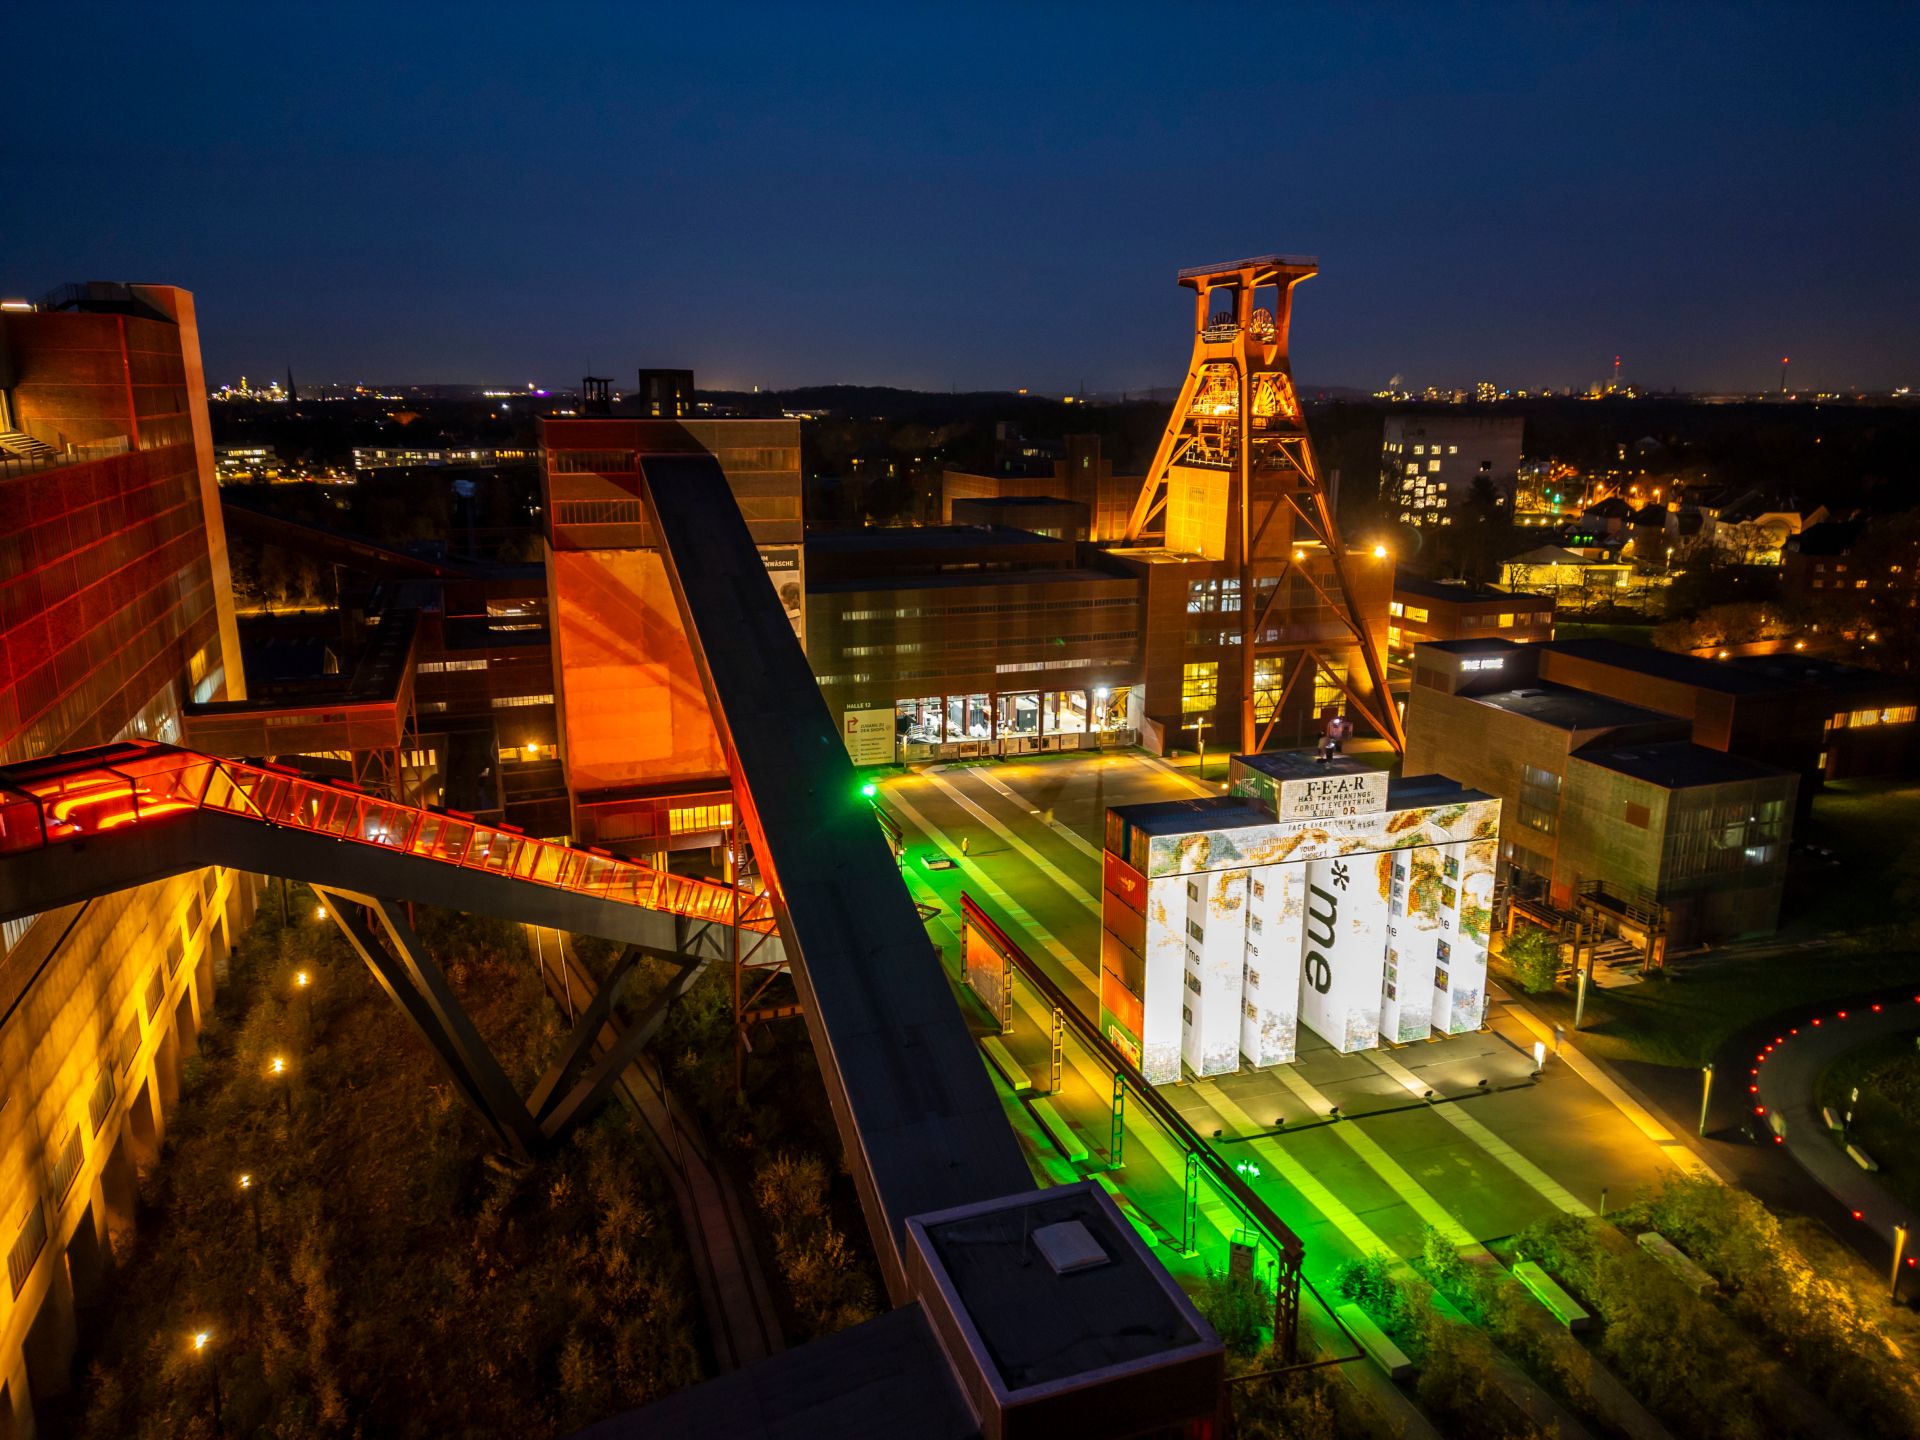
1458 1133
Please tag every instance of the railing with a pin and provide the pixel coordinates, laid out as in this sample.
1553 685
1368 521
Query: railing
912 751
12 465
65 798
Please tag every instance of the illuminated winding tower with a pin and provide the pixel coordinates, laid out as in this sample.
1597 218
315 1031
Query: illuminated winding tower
1234 481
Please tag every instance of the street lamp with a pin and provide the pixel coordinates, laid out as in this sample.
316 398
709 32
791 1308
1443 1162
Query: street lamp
202 1339
277 1069
320 912
252 1192
1199 725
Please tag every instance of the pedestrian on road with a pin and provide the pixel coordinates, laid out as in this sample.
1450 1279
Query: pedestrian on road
1559 1034
963 846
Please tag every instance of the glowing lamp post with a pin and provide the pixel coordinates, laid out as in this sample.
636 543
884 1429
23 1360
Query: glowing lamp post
277 1070
202 1342
252 1192
1199 725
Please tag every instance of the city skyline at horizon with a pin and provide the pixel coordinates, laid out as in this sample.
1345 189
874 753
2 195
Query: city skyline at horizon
942 201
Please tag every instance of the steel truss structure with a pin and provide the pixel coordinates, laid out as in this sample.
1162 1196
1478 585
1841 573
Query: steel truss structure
573 1085
1237 427
81 824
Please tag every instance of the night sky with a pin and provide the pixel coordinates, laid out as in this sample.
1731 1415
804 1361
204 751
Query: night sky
980 196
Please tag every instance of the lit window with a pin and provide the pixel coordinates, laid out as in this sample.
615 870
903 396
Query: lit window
1419 449
1893 715
1200 687
699 819
1432 465
1394 608
1506 622
1417 614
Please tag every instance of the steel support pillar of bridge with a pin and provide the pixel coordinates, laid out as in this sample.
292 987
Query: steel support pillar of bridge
572 1087
763 988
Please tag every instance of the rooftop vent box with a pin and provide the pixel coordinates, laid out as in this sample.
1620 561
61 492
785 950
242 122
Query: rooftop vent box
1068 1247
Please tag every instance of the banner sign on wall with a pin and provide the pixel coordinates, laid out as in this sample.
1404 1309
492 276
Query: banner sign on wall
869 735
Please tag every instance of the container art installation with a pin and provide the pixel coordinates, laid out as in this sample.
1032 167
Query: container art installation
1315 892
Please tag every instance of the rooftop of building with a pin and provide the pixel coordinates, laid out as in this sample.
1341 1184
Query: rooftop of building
1676 764
1565 708
1749 675
1304 764
1555 555
1829 537
1186 817
1055 1285
906 540
1458 591
1486 646
960 579
1018 502
1403 791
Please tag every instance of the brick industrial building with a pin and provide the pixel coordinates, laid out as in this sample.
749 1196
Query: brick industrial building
1426 610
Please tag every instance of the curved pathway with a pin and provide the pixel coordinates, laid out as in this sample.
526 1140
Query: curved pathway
1778 1078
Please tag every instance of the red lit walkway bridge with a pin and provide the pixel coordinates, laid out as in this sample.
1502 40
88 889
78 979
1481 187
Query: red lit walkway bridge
94 816
89 822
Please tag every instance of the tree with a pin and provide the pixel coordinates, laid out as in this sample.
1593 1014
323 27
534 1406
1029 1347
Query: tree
1534 958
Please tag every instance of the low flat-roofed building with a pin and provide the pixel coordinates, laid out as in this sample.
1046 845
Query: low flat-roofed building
1819 718
956 640
1426 610
1603 794
1057 1320
1083 475
1042 514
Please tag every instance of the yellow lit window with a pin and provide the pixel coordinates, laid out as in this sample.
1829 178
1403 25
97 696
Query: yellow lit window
1417 614
1893 715
697 819
1328 691
1394 608
1200 688
1506 622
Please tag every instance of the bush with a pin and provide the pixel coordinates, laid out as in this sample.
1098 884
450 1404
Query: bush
1534 957
1830 1319
406 1284
1678 1353
1371 1284
826 1280
1239 1308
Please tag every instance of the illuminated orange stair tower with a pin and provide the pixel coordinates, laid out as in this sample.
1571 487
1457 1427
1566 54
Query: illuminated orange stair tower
1234 479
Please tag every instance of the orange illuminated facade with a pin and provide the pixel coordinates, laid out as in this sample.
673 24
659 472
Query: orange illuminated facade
115 612
643 760
115 602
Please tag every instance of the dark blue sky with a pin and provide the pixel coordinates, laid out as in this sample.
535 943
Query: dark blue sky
981 196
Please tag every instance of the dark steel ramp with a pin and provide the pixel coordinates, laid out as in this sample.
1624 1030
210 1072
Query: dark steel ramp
917 1114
